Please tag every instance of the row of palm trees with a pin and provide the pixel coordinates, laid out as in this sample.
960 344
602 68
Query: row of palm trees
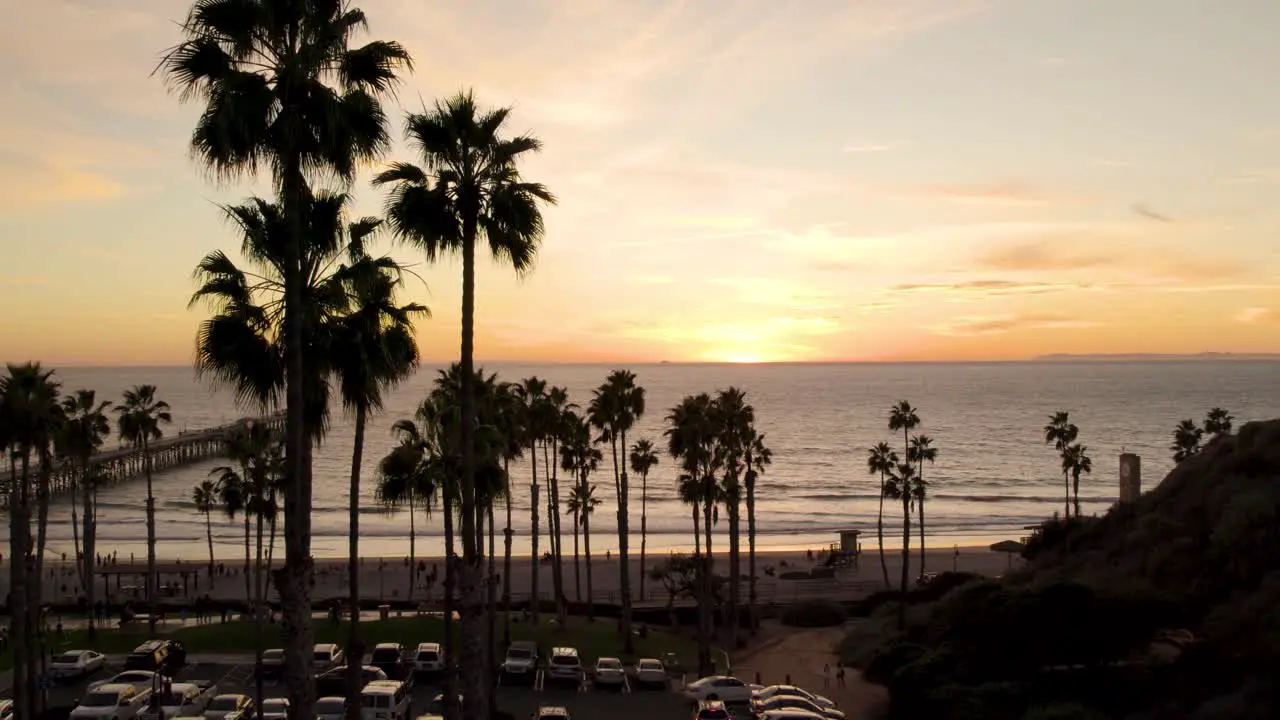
1188 437
39 429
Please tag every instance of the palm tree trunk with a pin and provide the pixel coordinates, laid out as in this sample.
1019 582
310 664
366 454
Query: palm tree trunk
1075 487
751 555
248 559
151 539
735 571
90 586
258 606
490 605
75 539
577 569
19 533
1066 503
697 531
355 644
507 536
707 628
624 553
557 567
920 516
413 546
884 565
271 544
208 536
906 559
534 601
586 556
449 646
644 529
42 510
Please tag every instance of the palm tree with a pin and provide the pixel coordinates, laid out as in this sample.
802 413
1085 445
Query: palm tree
689 490
558 406
1076 461
691 439
583 498
615 407
1061 432
532 393
510 413
141 416
1218 422
1186 440
205 497
736 419
469 187
643 459
902 486
373 349
283 88
581 457
881 460
759 457
231 491
86 428
921 450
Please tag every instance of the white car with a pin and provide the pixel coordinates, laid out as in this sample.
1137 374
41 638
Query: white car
773 691
331 708
275 709
650 672
325 656
609 671
142 679
718 687
564 665
427 658
224 705
182 700
113 701
521 660
272 662
76 663
789 702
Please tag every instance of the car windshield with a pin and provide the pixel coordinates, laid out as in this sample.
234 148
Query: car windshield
519 653
385 655
224 703
329 706
322 655
273 655
564 660
427 655
713 714
275 705
133 677
100 699
609 664
649 666
552 716
67 658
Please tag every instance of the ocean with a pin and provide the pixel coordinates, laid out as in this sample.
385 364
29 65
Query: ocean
993 475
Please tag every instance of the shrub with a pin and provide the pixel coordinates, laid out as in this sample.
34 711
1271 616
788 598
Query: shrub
814 613
1064 711
887 661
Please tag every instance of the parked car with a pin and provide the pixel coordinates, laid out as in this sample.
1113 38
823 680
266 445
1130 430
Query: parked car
437 705
76 663
521 661
609 672
565 665
275 709
163 656
650 672
273 662
224 705
390 659
331 707
189 698
779 702
327 655
551 712
771 691
6 709
334 682
427 658
142 679
385 700
718 687
113 701
711 710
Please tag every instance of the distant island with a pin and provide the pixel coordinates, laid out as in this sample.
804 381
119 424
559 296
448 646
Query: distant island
1130 357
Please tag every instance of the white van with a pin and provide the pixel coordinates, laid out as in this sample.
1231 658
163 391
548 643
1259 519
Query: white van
385 700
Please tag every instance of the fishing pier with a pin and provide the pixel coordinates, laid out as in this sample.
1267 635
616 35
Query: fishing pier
116 466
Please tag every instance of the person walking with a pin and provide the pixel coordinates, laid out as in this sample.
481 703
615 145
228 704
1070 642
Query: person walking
840 675
826 676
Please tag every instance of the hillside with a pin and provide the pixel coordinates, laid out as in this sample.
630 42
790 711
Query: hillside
1072 635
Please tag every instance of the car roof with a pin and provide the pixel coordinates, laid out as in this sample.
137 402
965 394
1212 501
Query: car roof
229 695
73 652
382 685
553 710
386 646
649 660
326 646
331 697
114 687
610 659
428 646
524 643
564 651
711 703
149 646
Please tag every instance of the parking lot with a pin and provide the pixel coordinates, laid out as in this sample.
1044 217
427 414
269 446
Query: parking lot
521 700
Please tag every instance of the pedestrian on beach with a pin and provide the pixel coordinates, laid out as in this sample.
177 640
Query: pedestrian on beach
826 676
840 675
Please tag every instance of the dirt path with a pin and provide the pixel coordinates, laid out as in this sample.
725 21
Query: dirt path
801 654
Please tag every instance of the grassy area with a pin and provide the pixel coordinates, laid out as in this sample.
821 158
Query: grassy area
593 640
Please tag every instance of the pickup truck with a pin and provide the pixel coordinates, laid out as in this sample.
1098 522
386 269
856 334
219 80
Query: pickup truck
183 699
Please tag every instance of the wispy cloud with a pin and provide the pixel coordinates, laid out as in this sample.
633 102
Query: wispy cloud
990 287
1259 316
1013 193
1048 254
970 326
1143 210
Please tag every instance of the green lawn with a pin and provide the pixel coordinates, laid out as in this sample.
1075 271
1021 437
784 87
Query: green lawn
593 640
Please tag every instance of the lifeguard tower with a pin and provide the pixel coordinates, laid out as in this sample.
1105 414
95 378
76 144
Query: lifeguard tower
846 554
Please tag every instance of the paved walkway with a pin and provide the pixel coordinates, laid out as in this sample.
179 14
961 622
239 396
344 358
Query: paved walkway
801 656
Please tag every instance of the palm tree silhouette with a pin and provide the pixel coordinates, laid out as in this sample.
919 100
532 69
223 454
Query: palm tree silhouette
1218 422
1186 440
580 455
1061 433
510 413
881 460
901 486
86 427
736 418
205 497
758 457
921 451
532 392
1075 460
557 406
141 416
283 88
643 459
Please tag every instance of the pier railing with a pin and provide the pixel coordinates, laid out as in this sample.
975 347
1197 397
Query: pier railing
115 466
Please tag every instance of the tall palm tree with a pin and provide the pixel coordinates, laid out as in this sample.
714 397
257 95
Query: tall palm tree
1076 460
1218 422
692 441
1060 432
232 489
532 393
86 427
205 497
689 490
583 497
902 486
903 417
736 419
468 188
141 416
759 457
373 349
283 88
643 459
920 452
510 420
615 407
581 457
881 460
573 506
558 406
1186 440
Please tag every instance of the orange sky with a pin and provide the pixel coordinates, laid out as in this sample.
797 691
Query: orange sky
923 179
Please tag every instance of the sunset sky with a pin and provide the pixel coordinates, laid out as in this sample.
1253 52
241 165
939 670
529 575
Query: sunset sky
739 180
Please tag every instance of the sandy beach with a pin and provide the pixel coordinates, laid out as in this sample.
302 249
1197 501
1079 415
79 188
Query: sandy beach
388 579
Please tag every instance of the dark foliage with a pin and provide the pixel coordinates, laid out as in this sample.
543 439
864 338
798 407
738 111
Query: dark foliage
814 613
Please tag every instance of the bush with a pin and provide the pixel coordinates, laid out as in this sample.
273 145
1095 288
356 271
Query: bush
887 661
814 613
1064 711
